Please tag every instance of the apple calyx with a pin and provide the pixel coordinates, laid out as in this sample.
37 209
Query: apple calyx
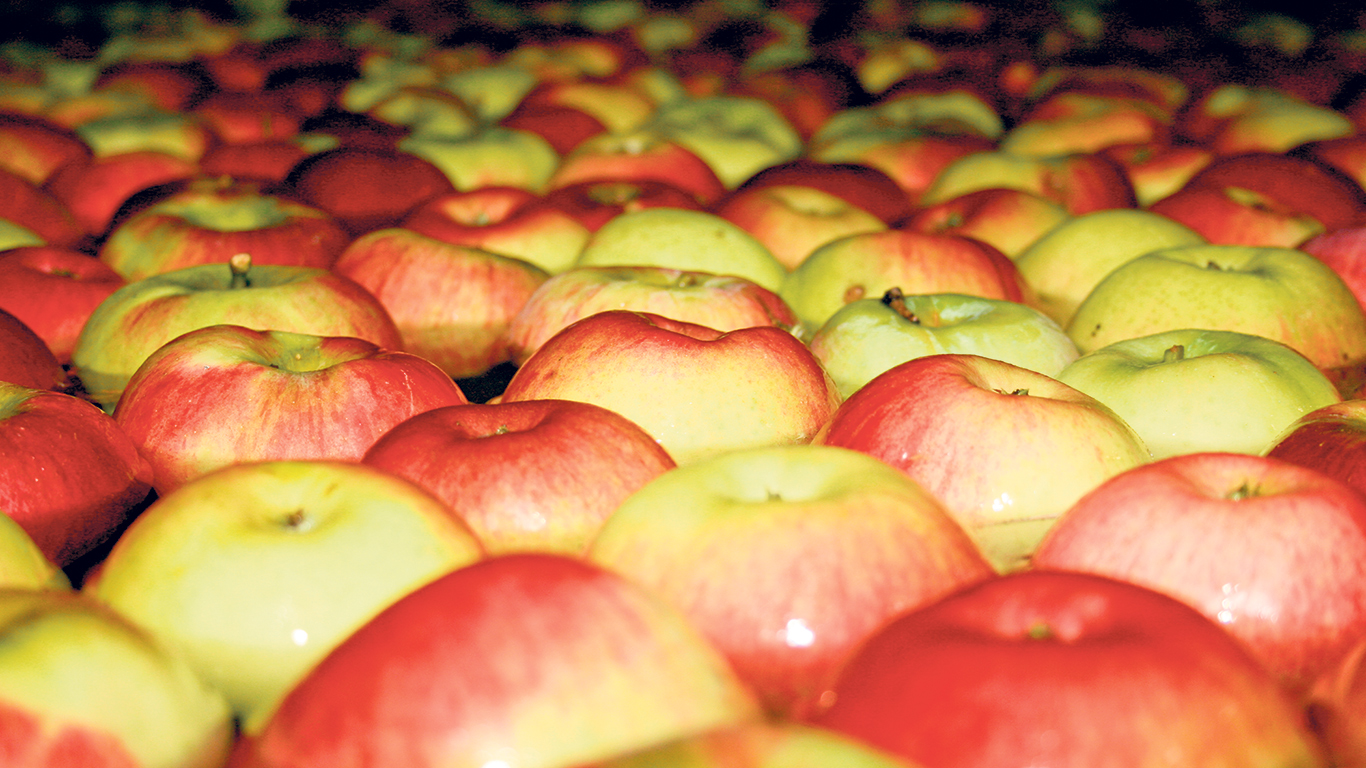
1245 491
239 264
1174 353
1021 392
895 299
297 521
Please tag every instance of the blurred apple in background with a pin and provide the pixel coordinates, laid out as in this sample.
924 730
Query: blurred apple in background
452 303
508 221
639 156
1280 293
80 685
723 302
1066 669
209 222
867 265
1236 118
535 475
1344 250
41 212
265 162
1080 183
255 572
1067 262
1188 391
36 146
94 189
737 136
366 188
540 659
734 540
1331 439
490 157
676 238
1072 122
594 203
22 564
1156 169
25 358
1271 551
142 316
71 476
867 337
1009 219
987 438
862 186
698 391
305 397
792 220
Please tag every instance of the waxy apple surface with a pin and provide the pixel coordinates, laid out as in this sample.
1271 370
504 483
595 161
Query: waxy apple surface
53 291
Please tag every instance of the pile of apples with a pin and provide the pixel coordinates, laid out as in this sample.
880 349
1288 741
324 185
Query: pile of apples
698 384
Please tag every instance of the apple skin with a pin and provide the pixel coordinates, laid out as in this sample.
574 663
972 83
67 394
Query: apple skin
543 657
25 358
1009 219
1072 122
138 318
1064 669
1080 183
986 438
209 222
732 540
1301 185
1189 390
1344 250
81 685
493 156
35 146
535 475
709 391
737 136
1270 550
269 161
1280 293
307 397
760 744
452 303
792 220
723 302
95 189
367 188
639 156
867 337
594 203
1337 709
41 212
1331 440
22 564
53 291
867 265
1237 216
1156 169
508 221
289 557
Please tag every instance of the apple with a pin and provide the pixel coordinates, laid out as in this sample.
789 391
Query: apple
25 358
862 186
639 156
509 221
1156 169
1009 219
14 235
80 685
539 659
265 162
1270 550
1344 250
490 157
1280 293
737 136
22 564
1073 122
36 146
1235 118
563 127
1067 262
683 239
366 188
1189 391
236 118
253 573
866 337
731 540
1337 709
1283 181
452 303
723 302
53 291
94 189
1346 155
1330 440
988 439
866 265
38 210
792 220
535 475
176 133
698 391
71 476
1064 669
140 317
306 397
1080 183
1233 215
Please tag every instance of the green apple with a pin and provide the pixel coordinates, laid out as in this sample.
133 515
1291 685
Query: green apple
732 541
256 571
22 564
81 686
738 136
761 744
869 336
1066 263
1280 293
493 156
676 238
1193 391
15 236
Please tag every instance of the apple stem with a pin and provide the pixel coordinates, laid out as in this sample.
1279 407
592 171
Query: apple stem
1174 353
895 299
239 264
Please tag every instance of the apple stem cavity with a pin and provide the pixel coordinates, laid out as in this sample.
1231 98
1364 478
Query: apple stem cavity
1174 353
1040 630
895 299
1244 491
239 265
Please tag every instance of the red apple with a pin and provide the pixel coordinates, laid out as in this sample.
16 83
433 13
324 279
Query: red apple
38 210
452 303
861 185
1343 249
1238 216
25 358
210 221
639 156
594 203
1009 219
537 475
1303 185
305 397
1346 155
1080 183
542 660
1337 709
1073 122
696 390
242 117
34 147
509 221
269 161
1331 440
95 188
68 474
1156 168
53 291
1064 669
367 188
1272 551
